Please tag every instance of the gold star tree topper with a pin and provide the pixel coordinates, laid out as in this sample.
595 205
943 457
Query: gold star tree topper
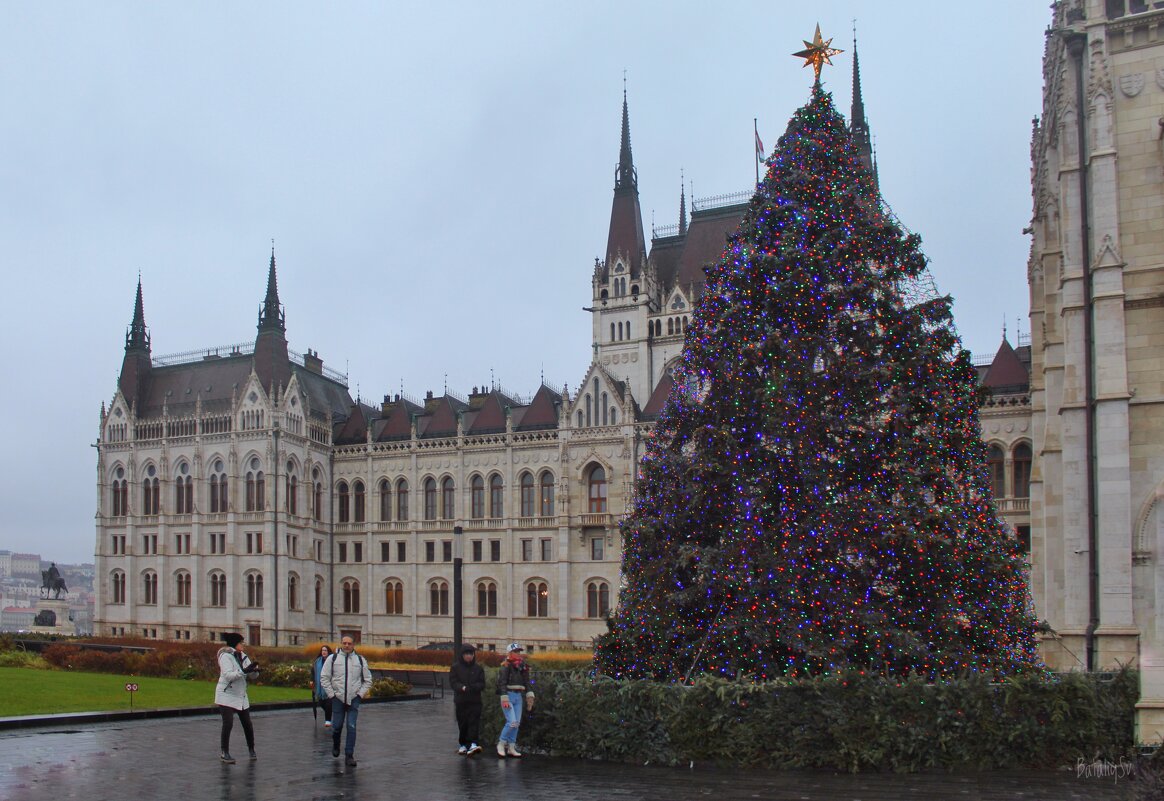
817 52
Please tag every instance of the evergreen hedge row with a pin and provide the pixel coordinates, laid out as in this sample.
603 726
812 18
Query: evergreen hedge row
848 723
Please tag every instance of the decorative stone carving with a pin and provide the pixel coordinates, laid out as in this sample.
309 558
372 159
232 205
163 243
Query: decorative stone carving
1132 84
1098 78
1160 78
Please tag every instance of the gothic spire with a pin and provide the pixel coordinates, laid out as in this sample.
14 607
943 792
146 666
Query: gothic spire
858 125
625 239
626 176
137 337
682 206
271 316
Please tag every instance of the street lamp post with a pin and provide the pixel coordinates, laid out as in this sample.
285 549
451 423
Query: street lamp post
458 606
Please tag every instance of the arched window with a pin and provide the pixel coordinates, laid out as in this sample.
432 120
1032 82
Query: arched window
385 500
318 594
343 502
496 497
612 332
317 495
150 492
120 493
149 587
486 599
218 488
537 599
217 589
597 599
256 487
394 598
351 599
292 591
628 334
182 588
438 598
401 500
620 331
477 497
527 495
183 491
547 494
1022 470
448 499
596 482
605 409
579 418
430 499
358 502
117 581
613 416
670 326
684 322
255 590
995 463
291 489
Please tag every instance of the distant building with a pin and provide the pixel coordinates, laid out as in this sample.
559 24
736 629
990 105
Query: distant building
17 618
26 565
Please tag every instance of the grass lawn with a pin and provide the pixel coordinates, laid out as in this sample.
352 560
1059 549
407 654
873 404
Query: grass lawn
51 691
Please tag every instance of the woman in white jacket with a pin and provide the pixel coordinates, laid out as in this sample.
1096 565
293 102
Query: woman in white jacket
235 668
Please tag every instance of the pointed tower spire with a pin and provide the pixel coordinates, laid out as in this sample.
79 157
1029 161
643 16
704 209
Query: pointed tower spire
271 315
858 125
625 238
138 337
682 207
136 364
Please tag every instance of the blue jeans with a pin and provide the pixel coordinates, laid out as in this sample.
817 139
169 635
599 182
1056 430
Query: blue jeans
512 717
341 712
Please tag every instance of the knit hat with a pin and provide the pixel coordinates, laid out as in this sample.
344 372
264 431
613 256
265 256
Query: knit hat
468 648
231 639
513 646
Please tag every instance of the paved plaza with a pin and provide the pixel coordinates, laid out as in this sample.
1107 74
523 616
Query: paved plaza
408 751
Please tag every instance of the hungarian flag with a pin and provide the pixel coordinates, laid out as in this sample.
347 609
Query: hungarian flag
760 152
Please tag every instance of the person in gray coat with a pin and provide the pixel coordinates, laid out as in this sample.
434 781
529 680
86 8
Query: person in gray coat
346 679
235 668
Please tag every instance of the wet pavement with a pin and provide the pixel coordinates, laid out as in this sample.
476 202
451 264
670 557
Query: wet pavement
408 751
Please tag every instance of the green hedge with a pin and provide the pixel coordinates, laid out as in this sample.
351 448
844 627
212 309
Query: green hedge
848 723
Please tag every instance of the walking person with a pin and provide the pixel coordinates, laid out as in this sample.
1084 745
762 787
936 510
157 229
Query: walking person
318 696
235 668
513 685
346 679
467 679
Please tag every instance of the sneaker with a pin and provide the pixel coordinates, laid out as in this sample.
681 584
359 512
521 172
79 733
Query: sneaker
350 761
463 750
253 754
501 750
335 750
473 749
327 724
226 757
513 752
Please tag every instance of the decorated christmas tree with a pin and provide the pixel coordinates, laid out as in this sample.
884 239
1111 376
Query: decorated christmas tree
814 496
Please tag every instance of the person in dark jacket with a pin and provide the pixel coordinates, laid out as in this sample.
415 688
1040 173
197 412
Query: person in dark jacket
467 679
516 690
318 694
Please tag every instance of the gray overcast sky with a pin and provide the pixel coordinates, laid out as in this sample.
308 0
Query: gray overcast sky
437 178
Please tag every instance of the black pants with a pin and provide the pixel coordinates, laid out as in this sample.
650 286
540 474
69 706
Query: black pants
244 716
468 722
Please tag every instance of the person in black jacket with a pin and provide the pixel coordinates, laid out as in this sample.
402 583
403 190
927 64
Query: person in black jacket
515 690
467 679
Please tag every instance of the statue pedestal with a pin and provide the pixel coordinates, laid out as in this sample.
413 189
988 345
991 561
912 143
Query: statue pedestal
52 617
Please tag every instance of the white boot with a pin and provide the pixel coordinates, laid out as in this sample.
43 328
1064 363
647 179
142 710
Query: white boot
512 750
501 750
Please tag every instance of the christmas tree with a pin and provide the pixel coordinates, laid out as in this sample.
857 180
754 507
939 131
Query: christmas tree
814 496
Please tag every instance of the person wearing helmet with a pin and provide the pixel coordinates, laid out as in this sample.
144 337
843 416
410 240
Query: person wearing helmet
515 689
467 679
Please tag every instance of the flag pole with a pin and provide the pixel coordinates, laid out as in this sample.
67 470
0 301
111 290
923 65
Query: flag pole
756 131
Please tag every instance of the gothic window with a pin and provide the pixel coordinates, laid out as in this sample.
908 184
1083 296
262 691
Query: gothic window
182 588
218 487
401 500
612 332
342 500
358 502
628 333
477 498
597 599
318 594
293 495
430 499
117 580
996 464
256 487
317 496
496 497
527 495
394 598
183 490
596 483
670 326
1022 470
537 599
149 587
385 500
292 591
351 596
589 406
547 494
120 493
620 331
448 499
486 599
255 590
605 409
438 598
217 589
150 492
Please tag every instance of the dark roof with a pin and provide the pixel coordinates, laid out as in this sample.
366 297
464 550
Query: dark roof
396 420
490 418
658 398
707 237
440 418
1006 372
542 411
354 429
215 379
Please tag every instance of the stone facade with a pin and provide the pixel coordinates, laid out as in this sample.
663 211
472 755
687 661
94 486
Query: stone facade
1097 322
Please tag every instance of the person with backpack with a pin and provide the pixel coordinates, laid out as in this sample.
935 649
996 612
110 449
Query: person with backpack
346 680
467 679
